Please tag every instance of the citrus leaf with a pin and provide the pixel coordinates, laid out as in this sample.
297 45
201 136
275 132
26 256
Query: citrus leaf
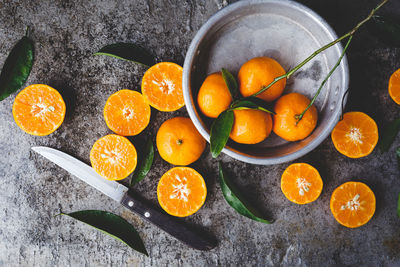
386 29
232 196
17 67
146 160
398 206
231 83
249 104
389 135
129 52
220 130
111 224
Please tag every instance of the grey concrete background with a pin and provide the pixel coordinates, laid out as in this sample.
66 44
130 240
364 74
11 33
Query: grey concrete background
32 190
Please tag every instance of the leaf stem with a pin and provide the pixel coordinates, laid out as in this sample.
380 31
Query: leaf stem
350 33
300 116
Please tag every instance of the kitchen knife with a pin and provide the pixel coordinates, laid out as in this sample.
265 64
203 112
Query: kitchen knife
118 192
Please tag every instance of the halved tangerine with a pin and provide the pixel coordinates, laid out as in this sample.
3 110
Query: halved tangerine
113 157
353 204
126 113
356 135
181 191
301 183
162 86
394 86
39 109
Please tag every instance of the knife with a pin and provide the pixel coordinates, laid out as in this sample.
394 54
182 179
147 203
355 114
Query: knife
120 193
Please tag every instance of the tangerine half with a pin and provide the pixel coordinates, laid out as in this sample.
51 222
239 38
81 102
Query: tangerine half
181 191
126 113
356 135
301 183
113 157
39 109
394 86
353 204
162 86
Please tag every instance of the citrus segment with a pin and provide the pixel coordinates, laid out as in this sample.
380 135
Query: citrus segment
286 124
258 73
181 191
39 109
394 86
113 157
126 113
353 204
301 183
214 96
250 126
162 86
356 135
179 142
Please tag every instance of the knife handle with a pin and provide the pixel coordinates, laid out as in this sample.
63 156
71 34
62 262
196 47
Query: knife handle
172 225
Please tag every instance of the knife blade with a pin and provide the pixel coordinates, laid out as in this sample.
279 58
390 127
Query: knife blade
182 231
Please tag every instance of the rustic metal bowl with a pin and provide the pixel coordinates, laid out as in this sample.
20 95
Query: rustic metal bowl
286 31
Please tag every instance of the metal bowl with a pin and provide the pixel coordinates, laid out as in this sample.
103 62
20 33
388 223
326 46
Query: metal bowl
286 31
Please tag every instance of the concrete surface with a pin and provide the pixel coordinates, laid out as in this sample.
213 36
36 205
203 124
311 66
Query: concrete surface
32 190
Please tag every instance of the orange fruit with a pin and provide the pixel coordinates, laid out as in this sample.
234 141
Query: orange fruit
178 141
285 122
356 135
301 183
258 73
250 126
181 191
162 86
126 113
113 157
353 204
214 96
39 109
394 86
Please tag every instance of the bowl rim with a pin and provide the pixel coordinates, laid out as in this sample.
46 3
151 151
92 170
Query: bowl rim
191 54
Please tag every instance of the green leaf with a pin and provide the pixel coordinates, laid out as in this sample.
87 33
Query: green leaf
145 162
17 67
230 83
111 224
234 199
129 52
389 135
220 130
386 29
398 206
249 104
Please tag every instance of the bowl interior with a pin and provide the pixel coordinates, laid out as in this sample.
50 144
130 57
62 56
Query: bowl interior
285 31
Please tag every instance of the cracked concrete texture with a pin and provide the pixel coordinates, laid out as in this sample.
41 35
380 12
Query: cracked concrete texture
32 190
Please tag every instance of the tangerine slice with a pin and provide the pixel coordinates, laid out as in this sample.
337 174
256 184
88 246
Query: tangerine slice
394 86
179 142
301 183
39 109
181 191
353 204
113 157
162 86
126 113
356 135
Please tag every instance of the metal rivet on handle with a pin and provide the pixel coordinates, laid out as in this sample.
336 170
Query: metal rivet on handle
147 214
130 203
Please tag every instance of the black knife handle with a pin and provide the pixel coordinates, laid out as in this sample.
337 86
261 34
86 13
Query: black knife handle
172 225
